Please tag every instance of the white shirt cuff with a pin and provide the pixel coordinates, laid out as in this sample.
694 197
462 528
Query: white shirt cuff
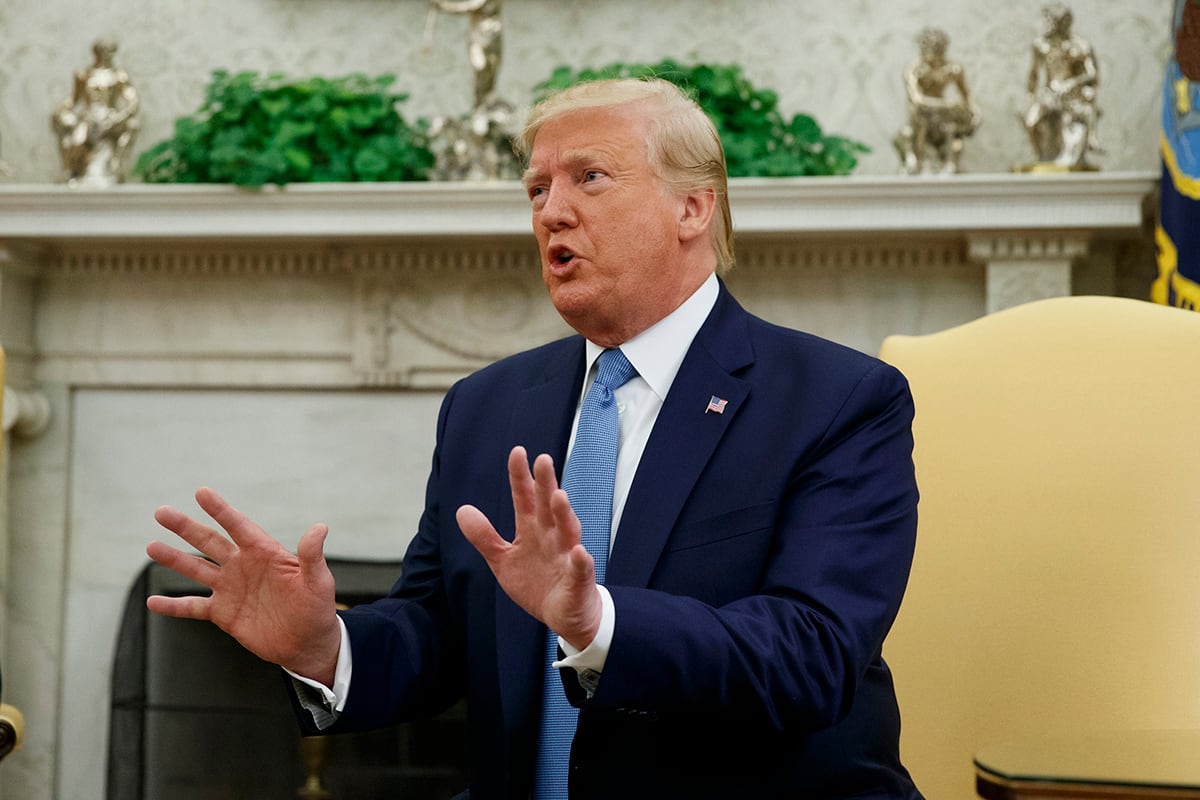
324 702
589 662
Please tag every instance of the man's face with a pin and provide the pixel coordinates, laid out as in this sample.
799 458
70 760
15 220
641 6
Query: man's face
607 228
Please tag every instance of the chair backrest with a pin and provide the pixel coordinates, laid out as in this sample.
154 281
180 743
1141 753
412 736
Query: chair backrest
1056 586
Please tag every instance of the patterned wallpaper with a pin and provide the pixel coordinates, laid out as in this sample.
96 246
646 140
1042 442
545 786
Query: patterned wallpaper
840 61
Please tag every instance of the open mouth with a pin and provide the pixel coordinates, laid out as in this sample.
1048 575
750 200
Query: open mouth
560 256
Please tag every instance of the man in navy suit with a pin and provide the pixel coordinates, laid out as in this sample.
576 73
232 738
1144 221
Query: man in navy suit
764 516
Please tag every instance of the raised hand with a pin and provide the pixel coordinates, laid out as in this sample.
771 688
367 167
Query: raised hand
278 605
545 569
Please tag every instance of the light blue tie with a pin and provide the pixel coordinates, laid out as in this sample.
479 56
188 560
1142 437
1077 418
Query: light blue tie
588 480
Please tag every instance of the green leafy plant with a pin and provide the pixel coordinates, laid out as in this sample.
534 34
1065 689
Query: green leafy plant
254 130
758 140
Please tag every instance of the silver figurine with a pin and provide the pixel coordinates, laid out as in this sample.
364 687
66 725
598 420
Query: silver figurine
477 146
1061 113
941 113
96 126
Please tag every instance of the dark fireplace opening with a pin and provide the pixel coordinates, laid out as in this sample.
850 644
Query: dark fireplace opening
196 717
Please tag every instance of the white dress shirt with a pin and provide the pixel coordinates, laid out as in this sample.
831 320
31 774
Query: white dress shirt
656 354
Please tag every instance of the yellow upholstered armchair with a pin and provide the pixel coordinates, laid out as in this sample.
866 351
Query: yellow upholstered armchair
12 725
1056 585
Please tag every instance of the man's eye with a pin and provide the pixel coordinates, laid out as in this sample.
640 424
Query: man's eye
536 191
591 175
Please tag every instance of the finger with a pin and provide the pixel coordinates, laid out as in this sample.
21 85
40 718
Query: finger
582 566
184 607
239 527
201 537
570 533
521 482
546 485
479 531
190 566
311 553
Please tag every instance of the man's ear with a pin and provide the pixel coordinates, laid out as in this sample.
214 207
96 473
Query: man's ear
697 214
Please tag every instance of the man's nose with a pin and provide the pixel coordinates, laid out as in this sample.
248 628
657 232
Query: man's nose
558 210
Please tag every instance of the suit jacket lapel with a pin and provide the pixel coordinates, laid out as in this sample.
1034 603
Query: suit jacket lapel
541 422
543 412
683 440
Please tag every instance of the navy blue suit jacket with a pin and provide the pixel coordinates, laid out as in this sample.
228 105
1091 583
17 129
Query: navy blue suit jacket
760 561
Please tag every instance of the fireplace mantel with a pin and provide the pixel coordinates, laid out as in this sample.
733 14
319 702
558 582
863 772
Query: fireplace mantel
414 284
972 204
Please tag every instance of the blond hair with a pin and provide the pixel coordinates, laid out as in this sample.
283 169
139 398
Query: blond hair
683 148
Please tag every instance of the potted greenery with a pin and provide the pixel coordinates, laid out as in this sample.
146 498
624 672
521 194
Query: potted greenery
758 140
254 130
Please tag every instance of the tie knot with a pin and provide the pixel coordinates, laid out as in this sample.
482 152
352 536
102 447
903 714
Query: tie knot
614 369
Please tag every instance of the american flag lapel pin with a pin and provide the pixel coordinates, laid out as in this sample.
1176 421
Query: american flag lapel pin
716 404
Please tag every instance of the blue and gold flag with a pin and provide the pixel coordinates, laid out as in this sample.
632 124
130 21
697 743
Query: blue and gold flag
1178 232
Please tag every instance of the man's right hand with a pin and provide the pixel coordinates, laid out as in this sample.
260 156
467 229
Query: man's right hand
545 569
278 605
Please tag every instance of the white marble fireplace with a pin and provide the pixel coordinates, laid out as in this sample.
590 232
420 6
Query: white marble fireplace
290 348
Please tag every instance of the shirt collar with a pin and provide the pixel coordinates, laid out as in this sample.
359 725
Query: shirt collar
657 352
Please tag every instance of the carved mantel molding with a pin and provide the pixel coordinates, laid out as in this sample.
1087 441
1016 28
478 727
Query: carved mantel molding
26 413
413 285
